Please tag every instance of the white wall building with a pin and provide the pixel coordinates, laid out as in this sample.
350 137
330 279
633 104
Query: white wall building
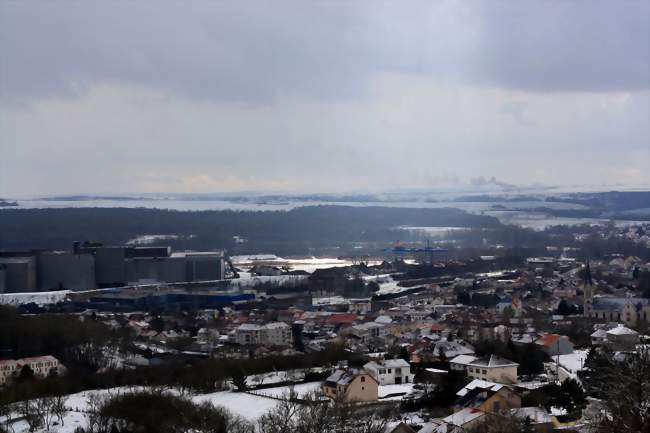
42 366
390 372
367 331
270 334
492 368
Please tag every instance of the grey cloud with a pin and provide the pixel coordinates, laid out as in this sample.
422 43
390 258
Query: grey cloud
255 51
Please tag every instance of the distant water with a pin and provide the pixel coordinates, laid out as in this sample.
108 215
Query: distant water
197 205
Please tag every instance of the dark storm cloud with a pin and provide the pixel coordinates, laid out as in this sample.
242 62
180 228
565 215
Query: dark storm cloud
254 51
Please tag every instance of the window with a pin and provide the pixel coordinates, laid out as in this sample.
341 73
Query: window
496 406
389 370
363 378
484 371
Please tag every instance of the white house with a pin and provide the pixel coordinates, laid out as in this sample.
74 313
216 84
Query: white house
390 372
368 331
492 368
271 334
359 306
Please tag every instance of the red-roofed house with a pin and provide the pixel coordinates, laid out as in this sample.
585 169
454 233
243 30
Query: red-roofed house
41 366
554 344
339 319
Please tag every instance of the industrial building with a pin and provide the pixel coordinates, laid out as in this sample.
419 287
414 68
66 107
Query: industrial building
18 272
91 266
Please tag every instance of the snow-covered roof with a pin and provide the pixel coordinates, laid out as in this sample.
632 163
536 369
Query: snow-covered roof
464 416
478 383
622 330
493 362
396 363
368 326
598 333
436 370
345 376
463 359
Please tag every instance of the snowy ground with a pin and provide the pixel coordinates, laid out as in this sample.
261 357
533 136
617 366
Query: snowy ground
572 362
245 405
386 284
307 264
39 298
301 390
330 300
278 377
385 390
248 406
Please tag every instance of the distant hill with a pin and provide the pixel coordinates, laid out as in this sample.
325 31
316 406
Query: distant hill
304 230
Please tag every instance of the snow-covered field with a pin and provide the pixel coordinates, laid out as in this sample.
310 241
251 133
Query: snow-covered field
246 405
307 264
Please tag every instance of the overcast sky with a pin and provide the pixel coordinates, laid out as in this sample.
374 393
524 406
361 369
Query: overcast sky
307 96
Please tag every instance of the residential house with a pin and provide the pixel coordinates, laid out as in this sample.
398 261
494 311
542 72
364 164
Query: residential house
554 344
351 385
460 362
271 334
390 372
463 421
599 336
621 338
487 397
365 332
491 368
360 306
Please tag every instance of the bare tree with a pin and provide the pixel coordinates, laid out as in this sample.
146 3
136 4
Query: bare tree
28 410
6 412
44 409
59 407
312 415
96 422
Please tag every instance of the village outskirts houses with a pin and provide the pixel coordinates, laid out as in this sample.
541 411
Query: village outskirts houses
390 372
